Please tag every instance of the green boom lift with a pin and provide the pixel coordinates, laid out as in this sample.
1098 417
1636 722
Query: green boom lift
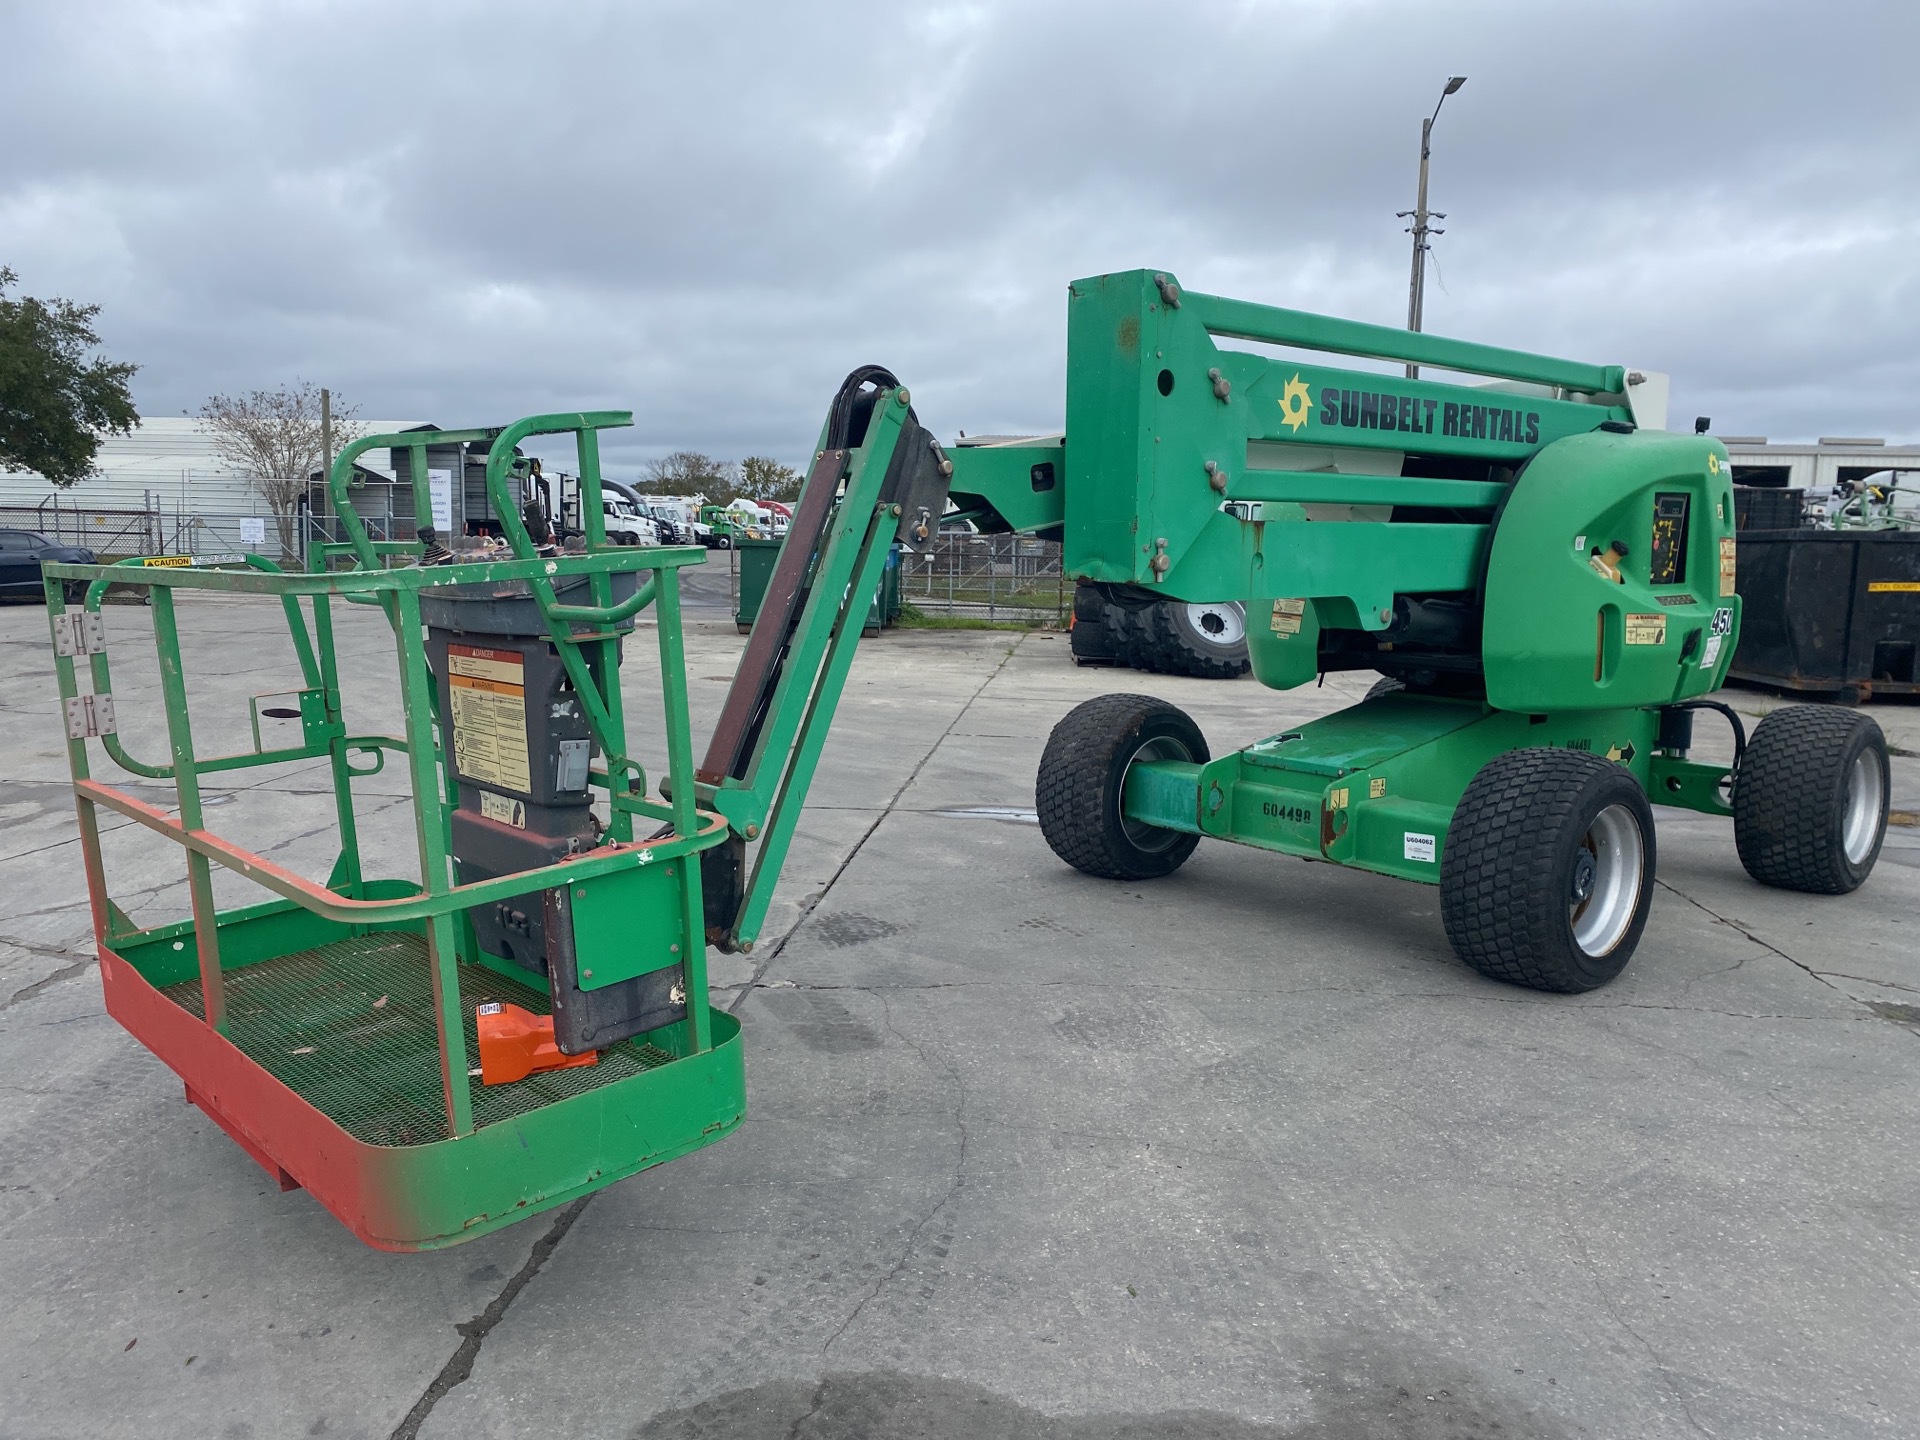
1544 576
1547 583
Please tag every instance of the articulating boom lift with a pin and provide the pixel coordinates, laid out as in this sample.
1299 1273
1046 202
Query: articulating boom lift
1546 581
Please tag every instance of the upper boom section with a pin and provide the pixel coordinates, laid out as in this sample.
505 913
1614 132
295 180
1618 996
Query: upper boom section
1163 424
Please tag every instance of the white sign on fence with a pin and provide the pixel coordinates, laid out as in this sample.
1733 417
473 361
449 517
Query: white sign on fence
253 530
440 489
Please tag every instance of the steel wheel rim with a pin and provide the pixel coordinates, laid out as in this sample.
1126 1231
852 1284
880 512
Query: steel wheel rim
1151 839
1231 617
1614 846
1865 792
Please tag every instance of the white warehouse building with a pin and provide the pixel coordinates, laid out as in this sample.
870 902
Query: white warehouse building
162 488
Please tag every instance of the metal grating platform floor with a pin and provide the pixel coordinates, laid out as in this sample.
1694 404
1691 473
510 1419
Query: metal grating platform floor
349 1027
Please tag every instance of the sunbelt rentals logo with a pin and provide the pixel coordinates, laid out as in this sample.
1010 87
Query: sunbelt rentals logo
1296 403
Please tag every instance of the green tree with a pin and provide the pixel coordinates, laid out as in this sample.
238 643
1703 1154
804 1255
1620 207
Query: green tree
57 400
765 479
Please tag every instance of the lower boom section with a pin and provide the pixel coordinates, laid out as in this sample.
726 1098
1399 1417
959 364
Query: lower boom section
1376 786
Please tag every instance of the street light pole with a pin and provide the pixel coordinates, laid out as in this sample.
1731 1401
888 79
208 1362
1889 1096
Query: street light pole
1420 215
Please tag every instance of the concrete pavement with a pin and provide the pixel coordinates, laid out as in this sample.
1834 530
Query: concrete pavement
1242 1152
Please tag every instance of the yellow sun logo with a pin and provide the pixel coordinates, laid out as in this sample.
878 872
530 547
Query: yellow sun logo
1713 463
1296 403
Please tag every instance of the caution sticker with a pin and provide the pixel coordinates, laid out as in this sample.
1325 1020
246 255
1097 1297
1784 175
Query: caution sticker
1646 629
1726 564
506 811
489 715
1288 616
1376 787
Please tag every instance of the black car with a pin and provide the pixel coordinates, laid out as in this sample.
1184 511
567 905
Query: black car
21 554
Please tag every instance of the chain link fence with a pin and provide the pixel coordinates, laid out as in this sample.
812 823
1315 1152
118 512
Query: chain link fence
119 533
987 577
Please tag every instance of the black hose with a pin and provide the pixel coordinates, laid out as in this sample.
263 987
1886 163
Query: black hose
1733 719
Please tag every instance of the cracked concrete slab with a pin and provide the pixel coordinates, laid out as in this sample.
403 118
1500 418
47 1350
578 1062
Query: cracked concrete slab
1243 1152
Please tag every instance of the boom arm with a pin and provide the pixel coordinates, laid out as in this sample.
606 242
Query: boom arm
876 475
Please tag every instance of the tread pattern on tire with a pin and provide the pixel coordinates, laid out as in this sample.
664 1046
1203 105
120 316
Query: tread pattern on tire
1172 650
1786 797
1497 890
1147 635
1073 792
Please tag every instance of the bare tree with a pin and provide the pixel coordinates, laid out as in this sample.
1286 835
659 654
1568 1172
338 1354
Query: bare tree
765 479
688 472
274 437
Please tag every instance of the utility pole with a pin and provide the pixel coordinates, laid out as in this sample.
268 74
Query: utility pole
326 466
1420 215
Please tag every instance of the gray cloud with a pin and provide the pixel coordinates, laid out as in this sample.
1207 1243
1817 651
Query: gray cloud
708 213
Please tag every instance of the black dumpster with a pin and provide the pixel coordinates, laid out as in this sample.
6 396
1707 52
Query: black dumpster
1831 612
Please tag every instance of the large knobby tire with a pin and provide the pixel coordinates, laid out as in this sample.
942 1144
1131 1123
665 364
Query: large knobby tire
1548 870
1385 685
1083 776
1090 641
1810 801
1205 641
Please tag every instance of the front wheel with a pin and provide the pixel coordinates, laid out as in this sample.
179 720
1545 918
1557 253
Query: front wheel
1083 780
1810 800
1547 876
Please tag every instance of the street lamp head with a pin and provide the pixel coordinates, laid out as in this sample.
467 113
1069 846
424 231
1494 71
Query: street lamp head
1454 82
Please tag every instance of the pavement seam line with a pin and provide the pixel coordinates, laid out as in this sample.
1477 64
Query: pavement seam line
1763 944
475 1331
959 1116
813 903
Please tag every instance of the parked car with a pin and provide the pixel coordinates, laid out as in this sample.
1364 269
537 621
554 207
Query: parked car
22 552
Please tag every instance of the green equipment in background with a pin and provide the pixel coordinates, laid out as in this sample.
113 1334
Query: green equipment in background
756 562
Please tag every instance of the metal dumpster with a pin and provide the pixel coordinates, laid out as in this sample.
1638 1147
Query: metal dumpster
756 558
1832 612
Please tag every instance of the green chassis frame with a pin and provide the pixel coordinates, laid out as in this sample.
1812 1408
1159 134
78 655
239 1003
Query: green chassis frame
687 1082
1375 786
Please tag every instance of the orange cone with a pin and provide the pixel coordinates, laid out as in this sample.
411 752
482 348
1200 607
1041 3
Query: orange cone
514 1043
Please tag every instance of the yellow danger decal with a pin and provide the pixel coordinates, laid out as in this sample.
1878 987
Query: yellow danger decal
489 716
1376 787
1646 629
1726 564
1891 587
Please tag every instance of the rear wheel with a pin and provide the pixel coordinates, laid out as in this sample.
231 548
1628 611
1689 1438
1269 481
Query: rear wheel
1810 800
1207 641
1083 779
1547 876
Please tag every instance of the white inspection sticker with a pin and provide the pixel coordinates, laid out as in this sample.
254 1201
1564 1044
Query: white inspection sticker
1710 652
1419 847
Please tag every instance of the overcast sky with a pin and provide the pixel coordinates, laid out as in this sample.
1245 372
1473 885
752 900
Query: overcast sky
709 212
